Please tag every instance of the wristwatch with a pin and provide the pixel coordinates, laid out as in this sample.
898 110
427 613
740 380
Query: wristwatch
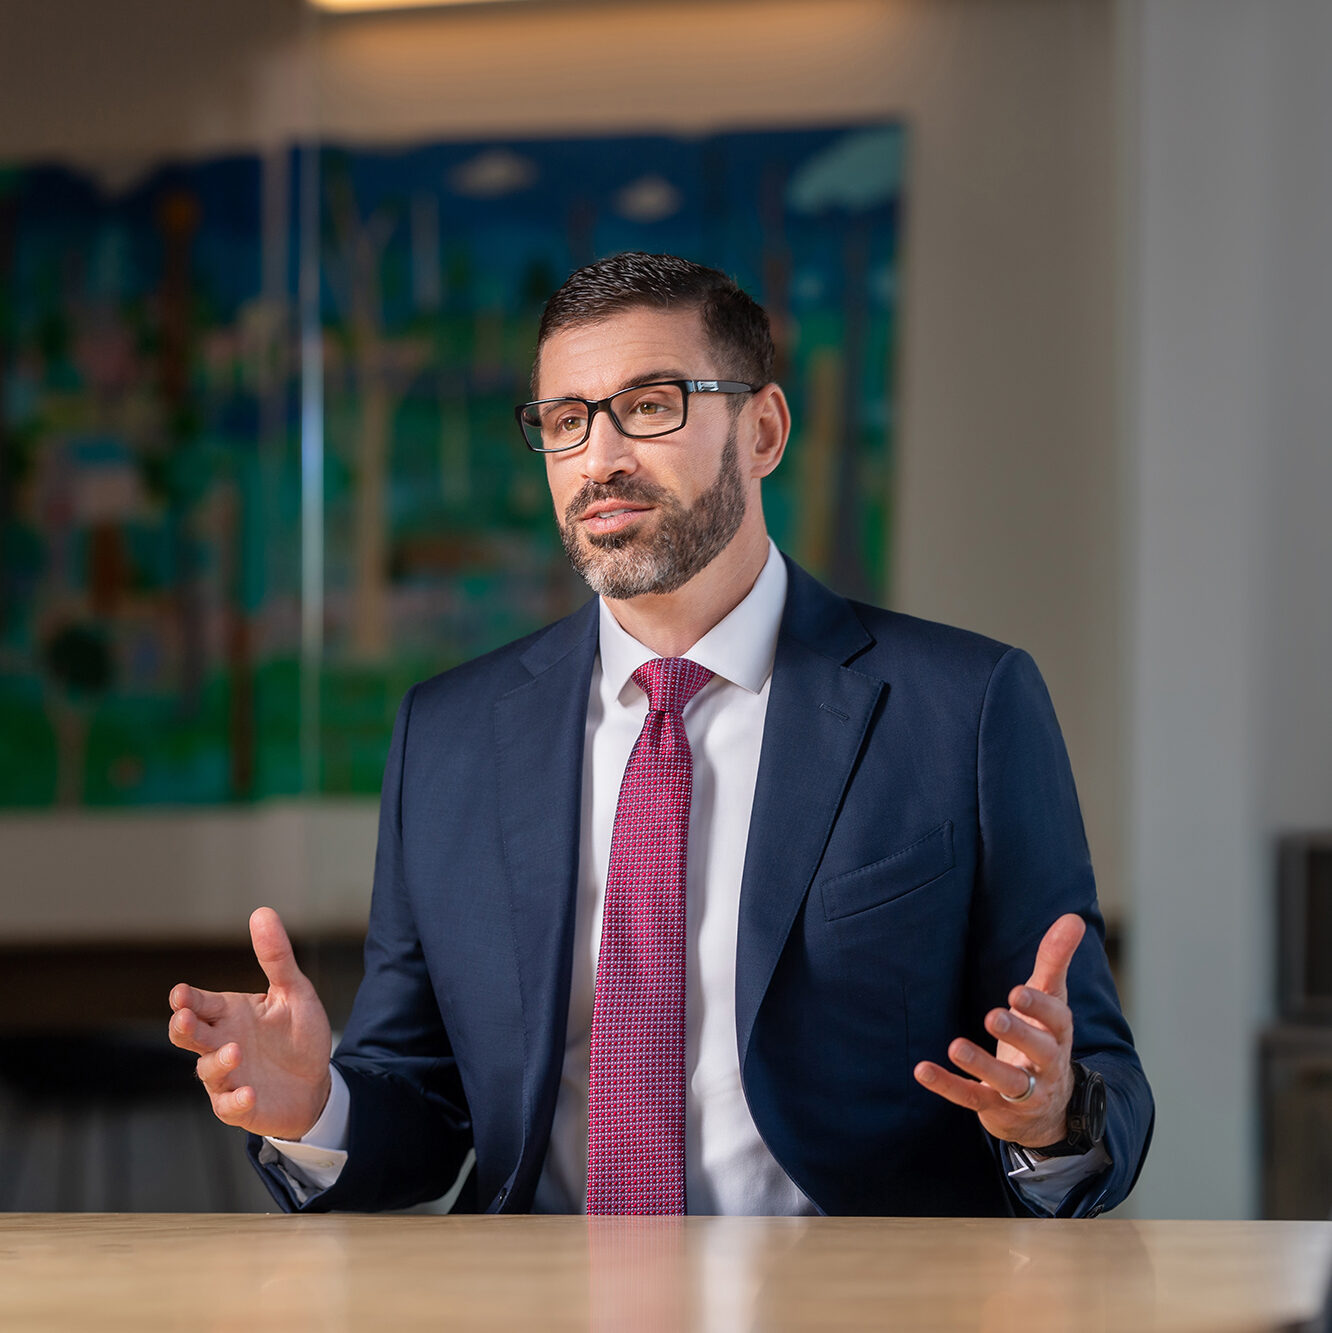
1086 1116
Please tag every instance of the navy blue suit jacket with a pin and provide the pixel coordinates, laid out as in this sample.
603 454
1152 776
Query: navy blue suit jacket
915 831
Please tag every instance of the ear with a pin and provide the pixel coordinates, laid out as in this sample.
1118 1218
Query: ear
771 427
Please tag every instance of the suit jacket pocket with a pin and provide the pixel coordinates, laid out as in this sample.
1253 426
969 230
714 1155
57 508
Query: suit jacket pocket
891 877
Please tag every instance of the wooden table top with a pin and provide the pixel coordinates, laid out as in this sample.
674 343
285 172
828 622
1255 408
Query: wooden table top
253 1273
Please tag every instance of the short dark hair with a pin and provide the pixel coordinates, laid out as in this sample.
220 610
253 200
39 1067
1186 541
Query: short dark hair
736 325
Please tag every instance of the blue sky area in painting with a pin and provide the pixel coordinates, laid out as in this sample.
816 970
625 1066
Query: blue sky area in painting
563 194
58 206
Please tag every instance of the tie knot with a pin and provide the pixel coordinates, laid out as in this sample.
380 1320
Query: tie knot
670 682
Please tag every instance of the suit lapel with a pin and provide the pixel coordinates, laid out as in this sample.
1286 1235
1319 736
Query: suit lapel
539 733
818 713
817 706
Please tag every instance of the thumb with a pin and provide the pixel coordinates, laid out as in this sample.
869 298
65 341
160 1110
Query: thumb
273 949
1050 974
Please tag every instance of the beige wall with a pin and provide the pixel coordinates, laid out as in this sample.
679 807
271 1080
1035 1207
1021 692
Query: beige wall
1229 302
1008 508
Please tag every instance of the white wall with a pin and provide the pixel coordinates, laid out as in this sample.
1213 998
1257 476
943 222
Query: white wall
1229 570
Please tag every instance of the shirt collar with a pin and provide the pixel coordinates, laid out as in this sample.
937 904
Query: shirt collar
739 648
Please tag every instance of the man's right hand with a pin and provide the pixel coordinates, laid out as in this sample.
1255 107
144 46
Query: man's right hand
264 1059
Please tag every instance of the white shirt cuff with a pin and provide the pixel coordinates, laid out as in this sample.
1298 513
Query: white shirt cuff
1044 1185
314 1162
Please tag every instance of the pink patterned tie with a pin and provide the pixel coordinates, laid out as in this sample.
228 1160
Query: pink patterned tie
635 1121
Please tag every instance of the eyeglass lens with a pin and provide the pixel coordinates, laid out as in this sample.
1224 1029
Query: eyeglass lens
644 411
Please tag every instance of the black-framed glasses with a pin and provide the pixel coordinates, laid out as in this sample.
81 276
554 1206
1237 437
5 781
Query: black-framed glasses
642 412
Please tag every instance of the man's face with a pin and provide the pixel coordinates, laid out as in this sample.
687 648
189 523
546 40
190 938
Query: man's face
643 516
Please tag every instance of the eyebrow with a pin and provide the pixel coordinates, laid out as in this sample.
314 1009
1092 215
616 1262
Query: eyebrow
648 377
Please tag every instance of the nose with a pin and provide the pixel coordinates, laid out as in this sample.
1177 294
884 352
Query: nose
607 453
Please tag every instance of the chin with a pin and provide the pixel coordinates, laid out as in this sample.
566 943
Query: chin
620 573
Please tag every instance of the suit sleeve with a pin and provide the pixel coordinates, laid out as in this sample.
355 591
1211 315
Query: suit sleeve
409 1129
1034 866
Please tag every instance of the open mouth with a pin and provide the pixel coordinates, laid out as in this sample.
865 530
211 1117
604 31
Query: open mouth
601 519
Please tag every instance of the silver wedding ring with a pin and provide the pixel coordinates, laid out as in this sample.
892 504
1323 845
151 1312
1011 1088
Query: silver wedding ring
1022 1096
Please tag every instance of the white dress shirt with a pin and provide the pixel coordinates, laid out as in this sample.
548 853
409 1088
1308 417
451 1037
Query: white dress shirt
728 1168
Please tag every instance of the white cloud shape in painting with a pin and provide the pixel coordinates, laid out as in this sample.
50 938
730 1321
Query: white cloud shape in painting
861 169
493 173
648 199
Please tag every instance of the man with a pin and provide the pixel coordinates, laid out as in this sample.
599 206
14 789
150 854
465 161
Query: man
711 968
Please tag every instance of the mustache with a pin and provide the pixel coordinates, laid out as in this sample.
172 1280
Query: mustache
629 490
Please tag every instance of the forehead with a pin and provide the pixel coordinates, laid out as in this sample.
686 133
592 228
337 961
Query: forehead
593 360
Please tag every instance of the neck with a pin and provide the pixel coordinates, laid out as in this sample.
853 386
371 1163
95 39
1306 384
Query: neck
671 623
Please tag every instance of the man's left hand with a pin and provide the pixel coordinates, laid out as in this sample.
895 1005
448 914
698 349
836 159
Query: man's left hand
1034 1036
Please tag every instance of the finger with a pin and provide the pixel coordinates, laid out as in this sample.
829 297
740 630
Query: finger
207 1004
235 1108
1006 1079
1055 953
1040 1047
189 1034
960 1091
1048 1010
273 949
216 1067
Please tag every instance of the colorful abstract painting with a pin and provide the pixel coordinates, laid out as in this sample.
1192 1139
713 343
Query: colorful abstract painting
158 430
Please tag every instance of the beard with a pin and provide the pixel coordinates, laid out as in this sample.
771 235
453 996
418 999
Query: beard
683 542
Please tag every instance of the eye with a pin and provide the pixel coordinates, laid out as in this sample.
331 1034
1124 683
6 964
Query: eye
652 404
563 419
653 409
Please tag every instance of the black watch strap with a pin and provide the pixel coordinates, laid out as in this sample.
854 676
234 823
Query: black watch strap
1086 1116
